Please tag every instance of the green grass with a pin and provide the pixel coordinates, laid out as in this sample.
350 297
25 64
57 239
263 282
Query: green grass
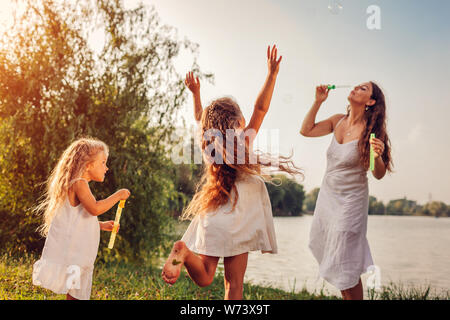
130 282
112 281
399 291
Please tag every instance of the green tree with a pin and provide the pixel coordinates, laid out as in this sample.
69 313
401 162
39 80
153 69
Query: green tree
276 195
436 209
187 171
401 207
375 206
310 200
186 179
55 88
286 198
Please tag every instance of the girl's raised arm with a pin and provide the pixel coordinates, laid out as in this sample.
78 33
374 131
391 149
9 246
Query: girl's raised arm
265 96
194 86
94 207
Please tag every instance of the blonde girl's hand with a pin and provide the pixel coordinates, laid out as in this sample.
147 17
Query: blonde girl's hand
108 226
272 62
322 93
123 194
378 147
192 83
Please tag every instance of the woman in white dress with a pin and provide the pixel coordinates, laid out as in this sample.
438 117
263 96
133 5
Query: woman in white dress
231 212
338 232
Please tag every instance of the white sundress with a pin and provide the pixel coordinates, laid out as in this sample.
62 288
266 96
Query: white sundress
339 227
70 250
249 227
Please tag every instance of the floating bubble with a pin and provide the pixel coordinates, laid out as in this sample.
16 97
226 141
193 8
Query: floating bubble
335 7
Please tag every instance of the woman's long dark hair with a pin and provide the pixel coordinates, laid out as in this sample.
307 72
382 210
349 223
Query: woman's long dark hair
375 120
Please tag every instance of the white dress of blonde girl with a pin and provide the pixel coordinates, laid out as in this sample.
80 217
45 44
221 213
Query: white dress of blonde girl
67 261
226 233
338 231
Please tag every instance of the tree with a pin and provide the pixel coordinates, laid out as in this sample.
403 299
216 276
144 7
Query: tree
375 206
55 88
187 171
287 198
310 200
401 207
436 209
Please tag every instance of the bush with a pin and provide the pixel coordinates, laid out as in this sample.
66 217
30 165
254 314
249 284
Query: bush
287 198
54 88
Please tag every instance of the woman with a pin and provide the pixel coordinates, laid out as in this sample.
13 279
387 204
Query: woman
338 232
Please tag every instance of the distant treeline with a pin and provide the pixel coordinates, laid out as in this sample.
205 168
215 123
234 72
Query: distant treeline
288 197
397 207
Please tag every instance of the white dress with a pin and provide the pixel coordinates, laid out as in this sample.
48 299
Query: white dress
249 227
338 231
69 253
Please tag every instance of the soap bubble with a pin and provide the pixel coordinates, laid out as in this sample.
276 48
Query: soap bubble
335 7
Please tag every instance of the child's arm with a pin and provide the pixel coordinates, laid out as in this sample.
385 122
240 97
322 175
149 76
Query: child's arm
108 225
265 96
94 207
194 86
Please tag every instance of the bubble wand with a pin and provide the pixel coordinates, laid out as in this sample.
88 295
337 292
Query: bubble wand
372 155
116 224
331 87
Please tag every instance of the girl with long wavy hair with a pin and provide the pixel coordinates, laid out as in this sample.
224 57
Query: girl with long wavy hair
231 211
70 226
338 231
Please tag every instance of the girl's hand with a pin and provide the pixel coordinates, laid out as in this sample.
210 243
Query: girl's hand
272 62
378 147
322 93
123 194
191 83
108 225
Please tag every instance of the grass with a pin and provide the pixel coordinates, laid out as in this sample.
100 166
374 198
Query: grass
130 282
399 291
114 281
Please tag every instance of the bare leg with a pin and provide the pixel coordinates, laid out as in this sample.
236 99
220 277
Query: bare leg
355 293
201 268
234 276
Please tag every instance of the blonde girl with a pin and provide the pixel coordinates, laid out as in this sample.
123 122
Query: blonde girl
231 211
70 226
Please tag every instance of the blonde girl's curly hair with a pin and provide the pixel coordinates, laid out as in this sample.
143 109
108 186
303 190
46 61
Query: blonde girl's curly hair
218 179
70 167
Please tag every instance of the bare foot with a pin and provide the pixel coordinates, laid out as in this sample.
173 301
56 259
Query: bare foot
172 267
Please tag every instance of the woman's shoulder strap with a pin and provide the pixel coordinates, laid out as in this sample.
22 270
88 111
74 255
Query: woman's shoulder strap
339 122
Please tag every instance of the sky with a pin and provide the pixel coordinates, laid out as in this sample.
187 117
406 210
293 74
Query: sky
408 57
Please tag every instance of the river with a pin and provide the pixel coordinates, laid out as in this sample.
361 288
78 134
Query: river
408 250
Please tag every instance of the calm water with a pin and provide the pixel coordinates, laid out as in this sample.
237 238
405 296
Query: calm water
410 250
